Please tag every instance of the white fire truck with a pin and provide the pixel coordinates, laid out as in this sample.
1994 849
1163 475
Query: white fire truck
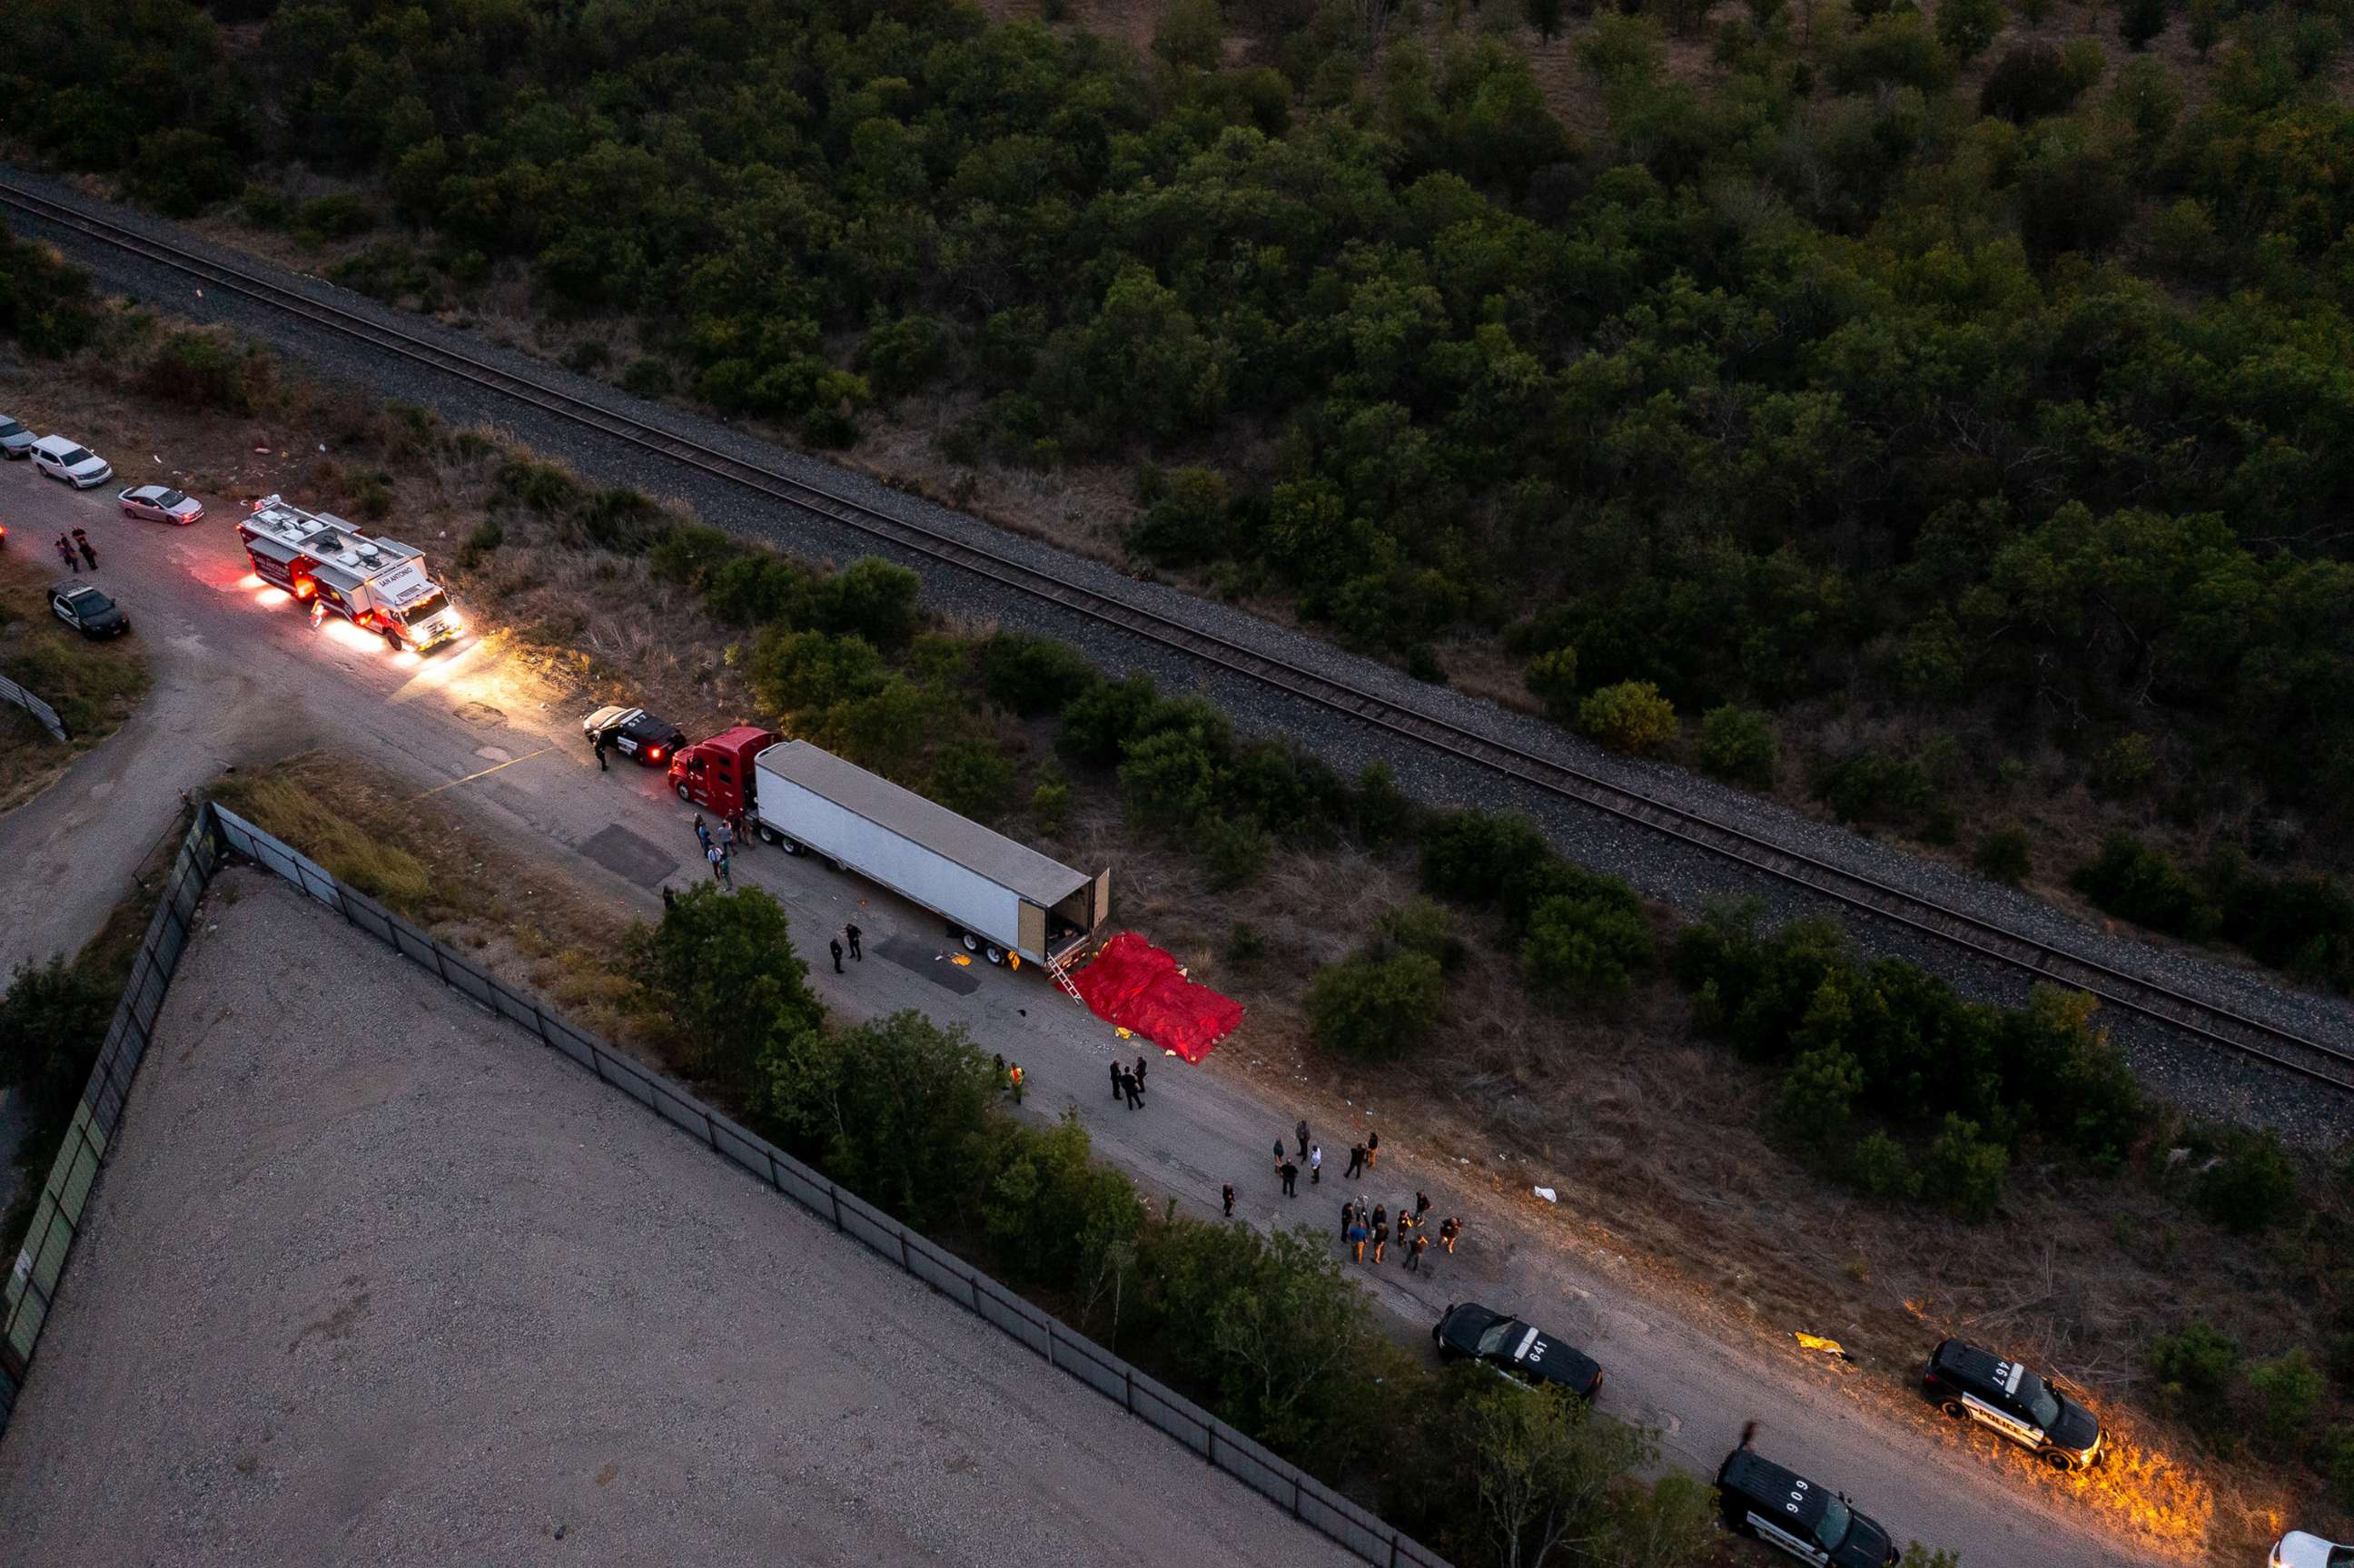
378 584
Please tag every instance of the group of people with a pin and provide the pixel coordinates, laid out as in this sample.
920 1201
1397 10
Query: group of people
718 848
1358 1229
80 541
1129 1087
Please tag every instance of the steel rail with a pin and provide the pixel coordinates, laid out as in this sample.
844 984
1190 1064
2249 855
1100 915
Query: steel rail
2206 1021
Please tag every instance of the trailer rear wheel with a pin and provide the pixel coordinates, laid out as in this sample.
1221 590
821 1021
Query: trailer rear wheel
972 942
995 955
769 835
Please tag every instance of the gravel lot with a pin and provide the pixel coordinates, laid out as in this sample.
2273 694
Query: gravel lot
2172 1064
425 1293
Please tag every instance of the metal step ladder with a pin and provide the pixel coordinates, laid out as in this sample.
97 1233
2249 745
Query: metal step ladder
1063 977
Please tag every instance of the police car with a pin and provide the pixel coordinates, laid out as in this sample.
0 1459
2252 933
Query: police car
1971 1384
634 732
1760 1499
1514 1347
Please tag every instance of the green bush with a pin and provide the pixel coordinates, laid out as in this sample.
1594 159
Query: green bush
1050 805
201 367
1739 745
52 1021
1100 722
1585 949
182 171
717 977
1184 521
1894 50
1878 1167
646 378
872 598
481 542
798 672
2288 1390
2005 855
2252 1187
1234 849
1964 27
337 216
1963 1172
2031 81
1473 856
973 779
2124 767
1552 677
1375 1009
1629 717
1817 1098
1871 786
1380 812
1026 675
2136 882
901 356
1423 927
2198 1364
758 588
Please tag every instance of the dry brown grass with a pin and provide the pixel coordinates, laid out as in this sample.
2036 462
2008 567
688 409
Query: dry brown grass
94 686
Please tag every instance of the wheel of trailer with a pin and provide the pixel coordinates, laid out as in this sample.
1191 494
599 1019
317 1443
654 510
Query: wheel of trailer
392 638
995 955
972 942
787 845
769 835
681 791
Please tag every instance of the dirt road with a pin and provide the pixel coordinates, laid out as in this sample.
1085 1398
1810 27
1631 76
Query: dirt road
240 680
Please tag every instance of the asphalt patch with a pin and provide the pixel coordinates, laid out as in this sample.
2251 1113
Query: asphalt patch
932 963
630 854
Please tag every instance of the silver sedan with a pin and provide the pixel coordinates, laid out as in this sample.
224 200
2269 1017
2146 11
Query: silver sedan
160 503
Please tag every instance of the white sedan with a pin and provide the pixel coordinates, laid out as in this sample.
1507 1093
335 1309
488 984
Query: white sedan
161 503
2298 1550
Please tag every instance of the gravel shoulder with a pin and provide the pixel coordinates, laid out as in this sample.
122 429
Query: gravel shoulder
373 1277
2173 1066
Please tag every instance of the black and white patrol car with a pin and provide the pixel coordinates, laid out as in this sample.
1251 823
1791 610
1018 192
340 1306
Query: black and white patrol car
86 610
1758 1498
1971 1384
1514 1347
634 732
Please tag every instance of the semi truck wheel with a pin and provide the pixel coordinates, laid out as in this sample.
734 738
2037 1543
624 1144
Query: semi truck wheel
972 942
995 955
683 793
769 835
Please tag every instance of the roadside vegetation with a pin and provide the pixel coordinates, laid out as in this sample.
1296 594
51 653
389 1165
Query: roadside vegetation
1949 393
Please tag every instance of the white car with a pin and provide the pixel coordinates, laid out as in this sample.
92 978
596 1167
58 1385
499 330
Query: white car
2298 1550
60 458
161 503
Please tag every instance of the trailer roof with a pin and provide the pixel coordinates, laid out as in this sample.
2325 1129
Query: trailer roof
903 811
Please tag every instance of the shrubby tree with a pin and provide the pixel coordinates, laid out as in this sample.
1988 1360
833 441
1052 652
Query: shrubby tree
718 976
1630 716
1375 1009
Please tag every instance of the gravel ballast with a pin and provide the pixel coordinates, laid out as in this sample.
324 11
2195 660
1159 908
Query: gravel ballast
2193 1074
375 1277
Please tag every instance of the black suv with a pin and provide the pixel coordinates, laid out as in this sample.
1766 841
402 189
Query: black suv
1971 1384
1761 1498
1514 1347
635 733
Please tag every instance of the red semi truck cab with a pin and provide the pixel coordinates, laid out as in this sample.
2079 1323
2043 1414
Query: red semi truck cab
716 774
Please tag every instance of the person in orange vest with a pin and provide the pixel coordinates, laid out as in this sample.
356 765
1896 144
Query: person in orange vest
1013 1080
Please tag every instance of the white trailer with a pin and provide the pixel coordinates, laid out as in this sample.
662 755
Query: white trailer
1000 898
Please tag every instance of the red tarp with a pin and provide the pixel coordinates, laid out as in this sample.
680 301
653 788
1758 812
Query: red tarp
1136 985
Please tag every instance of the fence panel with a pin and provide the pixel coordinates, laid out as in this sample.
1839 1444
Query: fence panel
44 714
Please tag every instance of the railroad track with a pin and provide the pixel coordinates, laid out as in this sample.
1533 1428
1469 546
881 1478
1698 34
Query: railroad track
1984 939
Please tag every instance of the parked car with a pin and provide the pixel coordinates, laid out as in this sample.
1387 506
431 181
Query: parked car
86 610
60 458
1759 1498
16 441
1467 1330
2298 1550
161 503
634 732
1973 1384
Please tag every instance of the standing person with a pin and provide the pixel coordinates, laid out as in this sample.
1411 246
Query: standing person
735 820
669 898
1135 1087
1414 1251
596 744
1357 1239
65 548
1302 1131
1229 1195
1421 1205
1140 1072
1119 1083
1002 1084
1372 1149
82 543
857 954
1381 1235
718 859
1013 1075
1290 1174
1356 1160
1348 1217
1380 1214
1316 1165
701 831
1449 1229
726 837
1279 1154
835 948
